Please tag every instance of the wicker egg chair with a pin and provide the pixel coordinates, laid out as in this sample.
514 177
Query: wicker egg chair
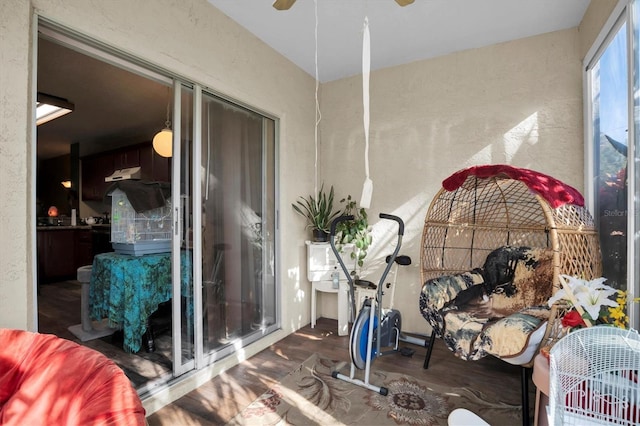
483 208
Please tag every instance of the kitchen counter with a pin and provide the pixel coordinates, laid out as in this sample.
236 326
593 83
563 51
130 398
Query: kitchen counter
61 227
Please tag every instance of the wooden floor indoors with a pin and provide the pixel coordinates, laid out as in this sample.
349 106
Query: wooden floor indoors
218 401
59 307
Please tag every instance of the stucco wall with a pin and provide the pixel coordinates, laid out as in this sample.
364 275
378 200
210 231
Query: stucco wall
517 103
187 37
16 289
594 18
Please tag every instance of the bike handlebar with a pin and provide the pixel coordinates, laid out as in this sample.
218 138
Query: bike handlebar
397 219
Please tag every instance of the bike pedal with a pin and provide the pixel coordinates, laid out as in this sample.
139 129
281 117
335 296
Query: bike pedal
407 351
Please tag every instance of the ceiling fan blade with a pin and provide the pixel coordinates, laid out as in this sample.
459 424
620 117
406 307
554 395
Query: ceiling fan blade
404 2
283 4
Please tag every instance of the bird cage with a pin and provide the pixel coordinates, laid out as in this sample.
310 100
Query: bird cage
139 232
485 207
594 378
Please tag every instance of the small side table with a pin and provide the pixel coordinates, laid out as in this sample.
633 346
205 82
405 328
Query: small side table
321 263
540 378
343 303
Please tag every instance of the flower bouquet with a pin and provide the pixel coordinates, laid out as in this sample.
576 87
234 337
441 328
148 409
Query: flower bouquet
586 303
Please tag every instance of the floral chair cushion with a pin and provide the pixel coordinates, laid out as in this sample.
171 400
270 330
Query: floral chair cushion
491 310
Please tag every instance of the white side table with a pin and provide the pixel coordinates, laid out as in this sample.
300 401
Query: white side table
343 303
321 262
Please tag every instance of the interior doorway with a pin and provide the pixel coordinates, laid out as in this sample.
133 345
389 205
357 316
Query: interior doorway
115 112
218 280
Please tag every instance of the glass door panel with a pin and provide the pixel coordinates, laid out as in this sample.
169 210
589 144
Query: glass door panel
237 165
182 248
610 121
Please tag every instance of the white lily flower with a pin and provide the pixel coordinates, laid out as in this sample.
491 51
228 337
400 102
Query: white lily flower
590 295
594 295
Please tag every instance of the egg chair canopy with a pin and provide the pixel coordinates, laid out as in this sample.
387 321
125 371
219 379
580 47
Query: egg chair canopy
482 208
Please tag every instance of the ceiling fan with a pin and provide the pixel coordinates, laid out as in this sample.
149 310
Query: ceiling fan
286 4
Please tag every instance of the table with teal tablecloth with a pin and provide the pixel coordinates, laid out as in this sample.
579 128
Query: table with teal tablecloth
127 289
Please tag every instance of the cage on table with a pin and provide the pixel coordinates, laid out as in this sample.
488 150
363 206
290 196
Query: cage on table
593 377
139 233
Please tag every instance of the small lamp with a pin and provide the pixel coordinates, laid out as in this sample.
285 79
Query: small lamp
66 184
163 140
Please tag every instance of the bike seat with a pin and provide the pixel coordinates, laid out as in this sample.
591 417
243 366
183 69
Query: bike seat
402 259
365 284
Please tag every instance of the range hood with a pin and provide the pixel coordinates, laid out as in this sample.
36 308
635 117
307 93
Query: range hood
124 174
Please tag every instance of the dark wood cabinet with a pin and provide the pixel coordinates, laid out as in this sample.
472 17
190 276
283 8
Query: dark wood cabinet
154 168
126 158
84 247
96 167
56 254
62 251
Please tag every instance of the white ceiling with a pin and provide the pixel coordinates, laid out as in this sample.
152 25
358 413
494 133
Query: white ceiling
424 29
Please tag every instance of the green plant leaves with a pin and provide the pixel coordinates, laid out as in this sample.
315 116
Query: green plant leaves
318 210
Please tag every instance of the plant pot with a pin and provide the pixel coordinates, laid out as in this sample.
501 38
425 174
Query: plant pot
319 236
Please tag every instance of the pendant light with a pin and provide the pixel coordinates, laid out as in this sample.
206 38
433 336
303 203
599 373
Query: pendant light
163 140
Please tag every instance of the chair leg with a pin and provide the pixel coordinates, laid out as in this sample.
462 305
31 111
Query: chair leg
432 340
524 377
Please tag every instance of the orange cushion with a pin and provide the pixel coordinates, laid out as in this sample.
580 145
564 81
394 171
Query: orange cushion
51 381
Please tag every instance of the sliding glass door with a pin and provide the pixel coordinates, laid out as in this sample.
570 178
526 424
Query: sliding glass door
235 171
184 274
612 127
610 123
223 221
224 246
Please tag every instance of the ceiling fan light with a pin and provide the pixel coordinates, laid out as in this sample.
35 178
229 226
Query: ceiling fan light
283 4
163 143
404 2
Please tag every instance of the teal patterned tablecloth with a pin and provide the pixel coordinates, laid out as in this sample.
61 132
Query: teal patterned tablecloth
127 289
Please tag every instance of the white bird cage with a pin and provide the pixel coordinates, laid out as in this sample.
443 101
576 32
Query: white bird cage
139 233
594 378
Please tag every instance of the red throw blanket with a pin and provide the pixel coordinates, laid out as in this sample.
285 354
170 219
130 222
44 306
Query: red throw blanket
556 193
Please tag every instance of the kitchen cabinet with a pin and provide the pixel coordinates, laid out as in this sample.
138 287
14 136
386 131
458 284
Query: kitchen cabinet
61 251
154 168
96 167
126 158
84 247
56 254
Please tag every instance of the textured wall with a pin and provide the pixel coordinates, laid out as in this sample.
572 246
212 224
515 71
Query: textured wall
518 103
594 18
16 279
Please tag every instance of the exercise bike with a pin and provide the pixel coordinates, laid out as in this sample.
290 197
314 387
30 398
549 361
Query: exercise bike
374 328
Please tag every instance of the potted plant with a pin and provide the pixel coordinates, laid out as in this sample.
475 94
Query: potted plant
355 231
319 213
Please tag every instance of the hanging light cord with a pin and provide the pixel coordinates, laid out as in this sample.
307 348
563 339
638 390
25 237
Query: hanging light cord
367 188
318 114
167 123
366 66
